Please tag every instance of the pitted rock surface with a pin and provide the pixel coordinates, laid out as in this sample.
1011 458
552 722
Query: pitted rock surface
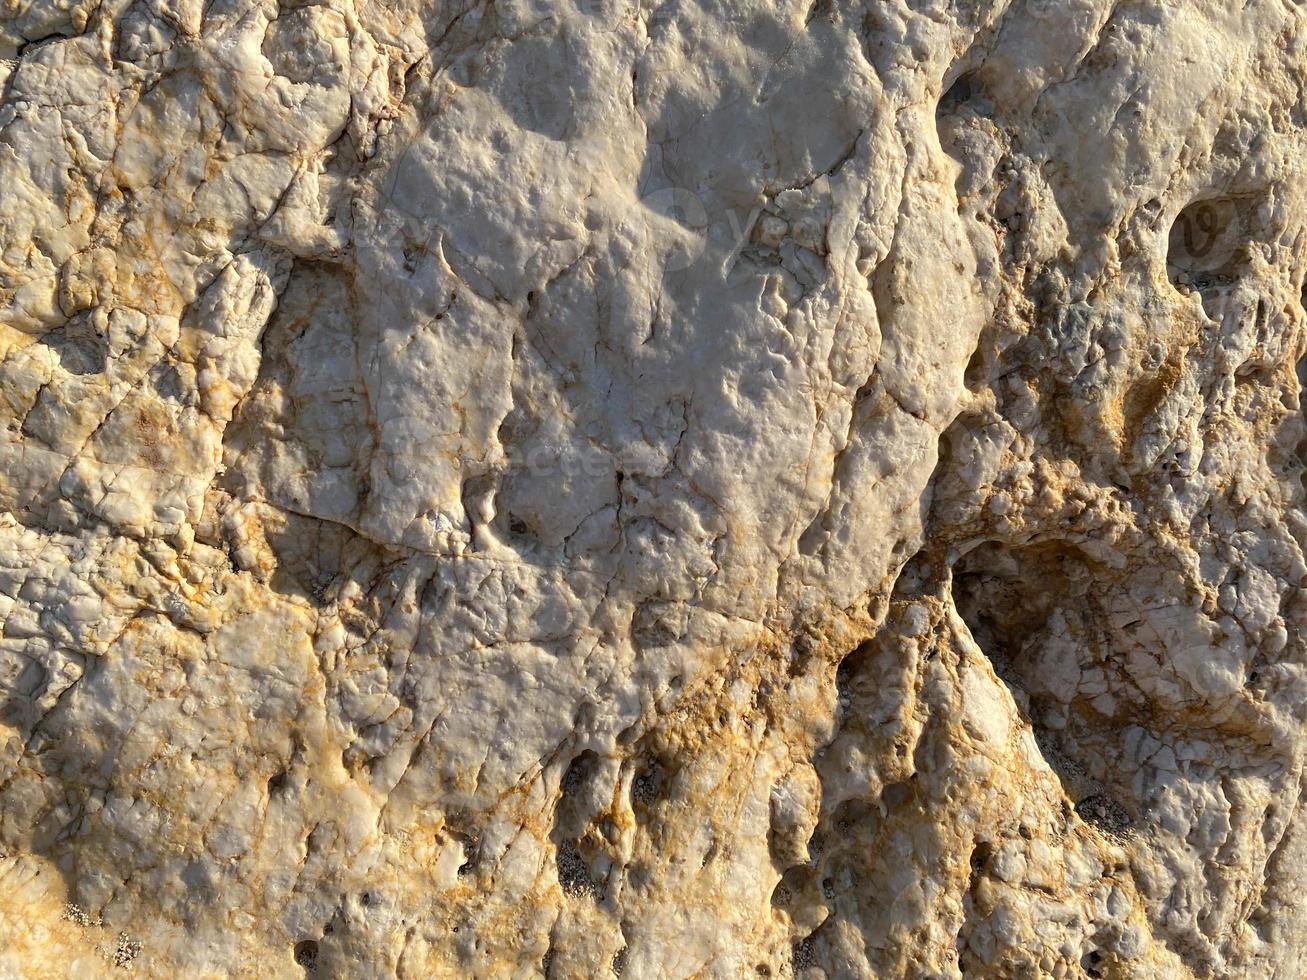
669 489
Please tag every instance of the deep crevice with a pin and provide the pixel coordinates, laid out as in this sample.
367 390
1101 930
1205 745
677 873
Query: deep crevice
574 845
1032 612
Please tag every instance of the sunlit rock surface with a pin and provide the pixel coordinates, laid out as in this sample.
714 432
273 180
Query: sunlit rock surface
668 490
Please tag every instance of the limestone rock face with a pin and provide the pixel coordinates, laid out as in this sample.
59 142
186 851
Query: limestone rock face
577 488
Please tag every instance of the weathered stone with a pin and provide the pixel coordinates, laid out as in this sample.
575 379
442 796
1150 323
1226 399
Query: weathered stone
672 490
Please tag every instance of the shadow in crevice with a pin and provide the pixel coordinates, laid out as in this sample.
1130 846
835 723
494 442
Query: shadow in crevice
80 347
1032 610
574 842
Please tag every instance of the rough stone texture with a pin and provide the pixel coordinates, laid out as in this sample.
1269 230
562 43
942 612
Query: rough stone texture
678 489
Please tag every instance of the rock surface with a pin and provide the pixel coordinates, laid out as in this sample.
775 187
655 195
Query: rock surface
675 489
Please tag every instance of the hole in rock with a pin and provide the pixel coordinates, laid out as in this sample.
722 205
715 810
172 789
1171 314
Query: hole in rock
783 894
964 122
804 954
818 8
1104 813
471 851
981 854
572 837
853 675
976 376
80 348
966 88
306 953
574 872
1092 963
1207 249
647 787
856 818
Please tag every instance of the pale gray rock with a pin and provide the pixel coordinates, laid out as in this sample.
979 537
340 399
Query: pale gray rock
671 490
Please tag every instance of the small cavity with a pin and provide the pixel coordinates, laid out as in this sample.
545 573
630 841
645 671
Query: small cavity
306 953
80 348
1208 248
1104 813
